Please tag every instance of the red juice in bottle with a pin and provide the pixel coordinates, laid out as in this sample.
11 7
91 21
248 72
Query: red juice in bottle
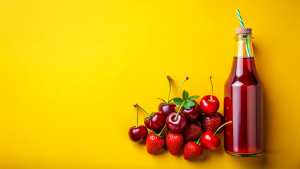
243 101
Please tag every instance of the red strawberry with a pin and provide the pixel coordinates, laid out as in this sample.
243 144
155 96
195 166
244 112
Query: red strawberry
154 143
174 142
211 122
192 132
192 150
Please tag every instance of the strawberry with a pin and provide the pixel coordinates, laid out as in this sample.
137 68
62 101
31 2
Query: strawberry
154 143
192 150
192 132
174 142
211 122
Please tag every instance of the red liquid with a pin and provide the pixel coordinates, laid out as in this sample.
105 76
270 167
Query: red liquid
243 104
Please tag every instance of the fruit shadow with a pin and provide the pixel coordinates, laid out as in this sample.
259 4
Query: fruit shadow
202 158
160 152
143 142
207 153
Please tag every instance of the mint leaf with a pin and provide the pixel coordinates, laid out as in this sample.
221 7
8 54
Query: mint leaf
178 101
185 95
193 97
190 103
185 105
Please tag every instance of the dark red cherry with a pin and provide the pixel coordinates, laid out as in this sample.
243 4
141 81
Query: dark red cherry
192 114
155 121
176 124
138 134
166 108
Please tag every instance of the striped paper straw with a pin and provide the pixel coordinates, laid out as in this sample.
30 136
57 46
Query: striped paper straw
240 18
243 26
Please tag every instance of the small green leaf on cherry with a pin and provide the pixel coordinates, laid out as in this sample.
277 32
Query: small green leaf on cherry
178 101
185 105
190 103
193 97
185 95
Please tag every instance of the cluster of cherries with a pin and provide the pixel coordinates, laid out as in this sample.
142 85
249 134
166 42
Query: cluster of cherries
186 121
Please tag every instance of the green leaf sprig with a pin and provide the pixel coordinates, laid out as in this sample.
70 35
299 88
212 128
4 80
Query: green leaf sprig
186 101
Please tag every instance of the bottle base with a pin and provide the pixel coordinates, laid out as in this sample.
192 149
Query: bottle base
243 155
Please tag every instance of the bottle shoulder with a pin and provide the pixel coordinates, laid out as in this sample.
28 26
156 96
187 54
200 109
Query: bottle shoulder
243 72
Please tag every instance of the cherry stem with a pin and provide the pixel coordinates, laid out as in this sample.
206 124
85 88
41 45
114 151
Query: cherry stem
136 105
179 110
169 88
222 126
198 141
212 89
187 78
159 134
137 116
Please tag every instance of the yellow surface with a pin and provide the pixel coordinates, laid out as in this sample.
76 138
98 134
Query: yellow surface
71 70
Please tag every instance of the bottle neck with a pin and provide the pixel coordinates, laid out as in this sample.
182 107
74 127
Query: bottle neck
243 67
243 46
243 64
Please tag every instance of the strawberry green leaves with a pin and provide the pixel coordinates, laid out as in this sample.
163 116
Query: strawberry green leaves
187 101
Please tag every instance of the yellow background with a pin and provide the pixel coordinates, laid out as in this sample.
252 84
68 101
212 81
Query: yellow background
71 70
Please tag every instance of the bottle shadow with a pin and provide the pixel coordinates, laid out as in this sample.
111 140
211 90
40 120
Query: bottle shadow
266 108
200 159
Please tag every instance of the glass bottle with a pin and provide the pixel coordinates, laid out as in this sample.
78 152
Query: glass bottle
243 101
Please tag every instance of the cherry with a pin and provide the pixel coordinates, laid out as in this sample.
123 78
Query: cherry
138 133
176 122
209 140
166 107
154 121
192 114
209 104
